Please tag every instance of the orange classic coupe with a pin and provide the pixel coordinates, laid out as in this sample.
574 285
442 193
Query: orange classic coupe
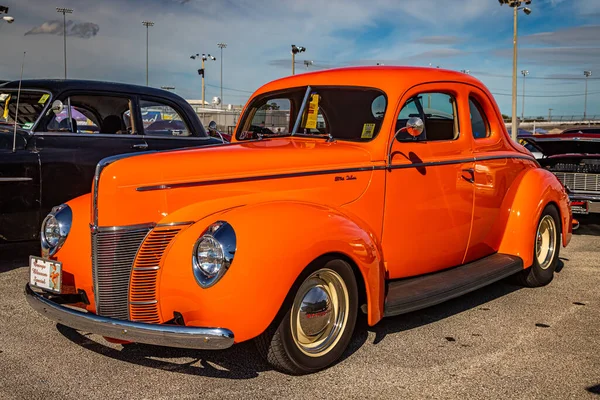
376 190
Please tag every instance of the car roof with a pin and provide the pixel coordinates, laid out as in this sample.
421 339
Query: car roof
56 86
379 76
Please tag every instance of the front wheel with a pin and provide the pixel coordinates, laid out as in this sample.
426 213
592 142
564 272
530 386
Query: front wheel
317 327
545 250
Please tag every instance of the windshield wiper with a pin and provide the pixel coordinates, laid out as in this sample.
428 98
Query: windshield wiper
327 136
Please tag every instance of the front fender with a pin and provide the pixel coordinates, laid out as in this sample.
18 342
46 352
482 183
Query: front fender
523 206
275 243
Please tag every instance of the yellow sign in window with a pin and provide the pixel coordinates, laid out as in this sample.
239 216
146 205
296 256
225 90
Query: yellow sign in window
312 112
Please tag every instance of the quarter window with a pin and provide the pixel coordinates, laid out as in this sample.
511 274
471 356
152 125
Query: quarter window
479 124
438 112
162 120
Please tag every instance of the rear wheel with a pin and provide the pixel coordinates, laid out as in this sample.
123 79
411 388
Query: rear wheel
318 325
546 248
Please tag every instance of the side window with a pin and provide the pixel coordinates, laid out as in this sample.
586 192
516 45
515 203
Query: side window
273 117
162 120
80 121
479 124
91 113
438 112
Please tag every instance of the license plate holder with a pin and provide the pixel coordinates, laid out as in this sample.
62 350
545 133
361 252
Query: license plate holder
45 274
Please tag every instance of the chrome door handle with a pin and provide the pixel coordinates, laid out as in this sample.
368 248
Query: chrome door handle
140 146
471 177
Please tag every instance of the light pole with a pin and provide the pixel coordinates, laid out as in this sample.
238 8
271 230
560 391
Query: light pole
147 24
222 46
296 50
587 74
516 5
204 57
64 12
524 73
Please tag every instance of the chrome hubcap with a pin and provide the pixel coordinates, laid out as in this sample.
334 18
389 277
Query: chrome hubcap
319 312
545 242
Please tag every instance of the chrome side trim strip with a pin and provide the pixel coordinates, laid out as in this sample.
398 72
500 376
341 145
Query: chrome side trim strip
161 335
327 172
16 179
254 178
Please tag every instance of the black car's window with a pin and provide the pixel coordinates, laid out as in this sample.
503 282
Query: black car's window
31 105
438 112
479 124
162 120
92 114
346 113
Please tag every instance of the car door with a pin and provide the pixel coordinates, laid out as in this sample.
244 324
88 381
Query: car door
19 189
101 125
429 194
167 126
495 170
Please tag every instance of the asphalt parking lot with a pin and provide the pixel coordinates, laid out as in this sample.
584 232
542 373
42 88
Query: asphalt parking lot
499 342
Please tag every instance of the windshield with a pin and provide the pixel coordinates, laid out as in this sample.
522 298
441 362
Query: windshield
31 105
346 113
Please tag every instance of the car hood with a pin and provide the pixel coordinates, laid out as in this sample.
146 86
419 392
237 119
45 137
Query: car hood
148 188
552 146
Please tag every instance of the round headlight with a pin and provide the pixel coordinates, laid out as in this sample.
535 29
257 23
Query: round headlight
51 231
55 228
209 255
213 253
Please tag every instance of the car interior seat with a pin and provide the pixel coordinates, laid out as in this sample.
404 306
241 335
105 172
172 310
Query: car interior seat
111 124
63 125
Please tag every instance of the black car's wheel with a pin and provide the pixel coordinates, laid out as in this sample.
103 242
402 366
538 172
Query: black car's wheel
318 325
546 248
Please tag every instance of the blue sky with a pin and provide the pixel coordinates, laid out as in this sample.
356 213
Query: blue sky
106 41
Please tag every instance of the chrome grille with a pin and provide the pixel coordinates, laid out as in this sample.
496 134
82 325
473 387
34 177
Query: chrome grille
113 253
580 181
143 301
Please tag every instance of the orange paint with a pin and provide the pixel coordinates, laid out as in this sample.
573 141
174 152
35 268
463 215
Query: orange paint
293 200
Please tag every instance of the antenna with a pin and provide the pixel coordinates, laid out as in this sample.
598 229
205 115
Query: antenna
17 109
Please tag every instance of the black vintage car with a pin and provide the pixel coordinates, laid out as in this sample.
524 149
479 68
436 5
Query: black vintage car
64 127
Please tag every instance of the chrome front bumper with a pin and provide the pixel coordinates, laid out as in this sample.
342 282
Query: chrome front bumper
162 335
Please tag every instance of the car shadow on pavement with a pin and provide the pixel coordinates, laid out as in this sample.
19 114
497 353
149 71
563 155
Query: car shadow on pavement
415 319
16 255
588 225
241 361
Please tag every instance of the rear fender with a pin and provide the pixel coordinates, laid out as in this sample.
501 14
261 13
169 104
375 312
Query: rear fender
276 241
523 207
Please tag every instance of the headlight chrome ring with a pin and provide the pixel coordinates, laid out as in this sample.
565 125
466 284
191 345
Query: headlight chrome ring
213 253
55 229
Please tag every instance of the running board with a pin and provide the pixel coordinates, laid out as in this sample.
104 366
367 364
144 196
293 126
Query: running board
410 294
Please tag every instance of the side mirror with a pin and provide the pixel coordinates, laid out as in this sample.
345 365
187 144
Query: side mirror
212 126
57 106
414 126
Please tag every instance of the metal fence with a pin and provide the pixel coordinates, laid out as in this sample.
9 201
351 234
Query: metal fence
278 120
275 120
558 118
